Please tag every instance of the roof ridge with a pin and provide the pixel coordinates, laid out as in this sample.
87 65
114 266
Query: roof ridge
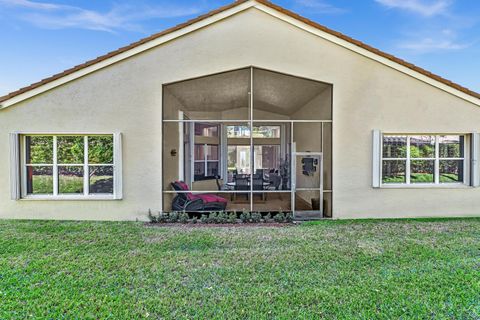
222 9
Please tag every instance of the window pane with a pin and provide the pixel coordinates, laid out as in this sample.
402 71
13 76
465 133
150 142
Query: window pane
199 170
451 171
39 180
212 169
422 146
266 131
394 146
421 171
239 159
70 150
451 146
212 152
100 179
39 149
70 180
199 152
267 157
393 171
100 149
206 130
238 132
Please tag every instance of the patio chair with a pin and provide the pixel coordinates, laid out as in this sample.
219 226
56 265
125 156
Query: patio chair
258 184
241 184
186 201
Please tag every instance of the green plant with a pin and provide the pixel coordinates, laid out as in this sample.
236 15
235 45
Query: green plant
162 217
232 217
289 217
212 217
222 217
152 217
268 217
279 217
204 218
172 217
183 217
245 216
194 220
256 217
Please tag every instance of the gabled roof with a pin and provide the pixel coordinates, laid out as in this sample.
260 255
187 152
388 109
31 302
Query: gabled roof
221 13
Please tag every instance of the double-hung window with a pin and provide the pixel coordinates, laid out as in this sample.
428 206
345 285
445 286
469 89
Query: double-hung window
70 166
423 159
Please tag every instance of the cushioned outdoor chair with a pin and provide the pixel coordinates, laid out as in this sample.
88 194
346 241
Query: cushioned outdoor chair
186 201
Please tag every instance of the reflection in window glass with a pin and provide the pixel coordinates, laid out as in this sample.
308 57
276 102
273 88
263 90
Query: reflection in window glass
451 171
258 132
212 152
422 146
39 180
199 152
100 149
70 150
393 171
39 149
394 146
238 132
451 146
422 171
266 131
100 180
70 179
212 169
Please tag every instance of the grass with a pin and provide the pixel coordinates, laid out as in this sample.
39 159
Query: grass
423 178
422 269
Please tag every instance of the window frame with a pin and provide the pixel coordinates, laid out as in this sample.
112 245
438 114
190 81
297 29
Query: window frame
116 165
436 158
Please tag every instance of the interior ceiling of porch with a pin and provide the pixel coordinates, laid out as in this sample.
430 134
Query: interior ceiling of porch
273 92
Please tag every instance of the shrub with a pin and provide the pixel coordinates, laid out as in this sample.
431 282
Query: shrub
268 217
289 217
232 217
152 217
194 220
183 217
279 217
245 216
222 217
172 217
212 217
256 217
204 218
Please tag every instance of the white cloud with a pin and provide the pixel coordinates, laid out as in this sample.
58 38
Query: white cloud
424 8
319 6
445 40
119 17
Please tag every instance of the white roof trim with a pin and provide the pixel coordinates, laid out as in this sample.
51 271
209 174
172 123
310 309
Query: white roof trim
368 54
220 16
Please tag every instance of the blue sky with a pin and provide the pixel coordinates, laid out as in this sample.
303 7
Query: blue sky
40 38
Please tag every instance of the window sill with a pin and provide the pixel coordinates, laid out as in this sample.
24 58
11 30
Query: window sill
425 186
68 198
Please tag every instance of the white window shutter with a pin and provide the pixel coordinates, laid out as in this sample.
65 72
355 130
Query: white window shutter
376 159
474 150
118 171
14 166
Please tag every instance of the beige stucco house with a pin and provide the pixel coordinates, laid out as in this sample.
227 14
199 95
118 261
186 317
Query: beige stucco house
249 107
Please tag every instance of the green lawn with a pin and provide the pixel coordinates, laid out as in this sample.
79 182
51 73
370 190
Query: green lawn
422 269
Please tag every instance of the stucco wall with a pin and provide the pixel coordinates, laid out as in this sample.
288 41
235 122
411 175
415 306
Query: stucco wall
127 97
